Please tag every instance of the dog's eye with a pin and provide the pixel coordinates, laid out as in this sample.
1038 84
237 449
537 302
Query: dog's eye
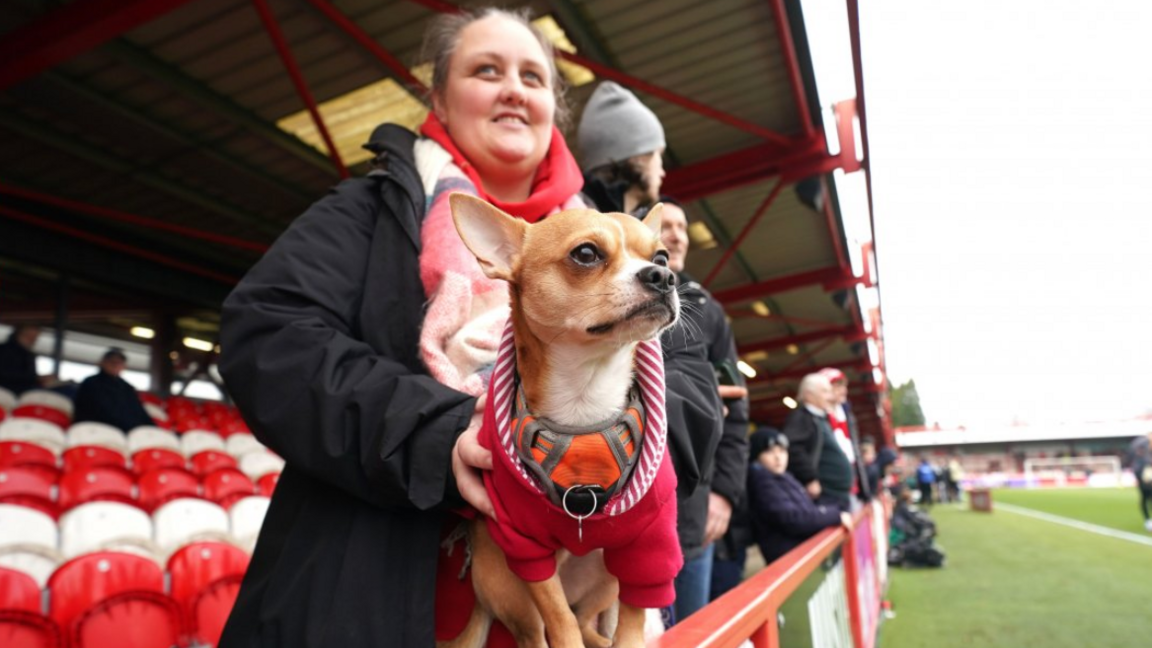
586 255
661 258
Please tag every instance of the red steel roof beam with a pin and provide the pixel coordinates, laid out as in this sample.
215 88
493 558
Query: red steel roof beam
104 241
821 276
760 211
71 30
851 365
124 217
369 43
849 333
788 48
281 44
613 74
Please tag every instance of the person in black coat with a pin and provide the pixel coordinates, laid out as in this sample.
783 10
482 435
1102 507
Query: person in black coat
18 362
817 459
782 512
319 348
108 398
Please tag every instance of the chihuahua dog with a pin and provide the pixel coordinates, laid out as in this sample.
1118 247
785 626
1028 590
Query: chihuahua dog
582 485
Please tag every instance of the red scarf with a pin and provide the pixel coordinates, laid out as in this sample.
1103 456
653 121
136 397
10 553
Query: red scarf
557 178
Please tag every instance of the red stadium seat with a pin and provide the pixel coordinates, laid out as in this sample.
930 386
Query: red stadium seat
149 397
20 453
28 630
267 484
19 591
29 485
205 578
92 456
104 483
211 460
43 413
226 485
113 599
161 485
153 458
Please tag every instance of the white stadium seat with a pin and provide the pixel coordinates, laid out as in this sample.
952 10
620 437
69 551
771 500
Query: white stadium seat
91 433
258 464
156 412
35 431
183 520
242 443
23 525
104 525
194 441
148 436
246 517
47 399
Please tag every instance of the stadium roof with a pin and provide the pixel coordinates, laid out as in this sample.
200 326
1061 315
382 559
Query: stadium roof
143 158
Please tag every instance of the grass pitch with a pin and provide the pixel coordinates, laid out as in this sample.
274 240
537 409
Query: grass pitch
1017 582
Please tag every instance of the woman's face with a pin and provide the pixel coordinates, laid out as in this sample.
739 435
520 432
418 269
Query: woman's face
498 102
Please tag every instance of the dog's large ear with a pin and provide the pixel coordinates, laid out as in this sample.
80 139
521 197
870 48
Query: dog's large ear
654 218
495 238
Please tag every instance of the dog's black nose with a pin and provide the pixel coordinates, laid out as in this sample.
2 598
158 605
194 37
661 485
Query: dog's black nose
658 279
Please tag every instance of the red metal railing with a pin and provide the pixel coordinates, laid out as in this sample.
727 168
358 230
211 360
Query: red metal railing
749 612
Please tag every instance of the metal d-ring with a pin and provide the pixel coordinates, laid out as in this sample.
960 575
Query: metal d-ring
579 518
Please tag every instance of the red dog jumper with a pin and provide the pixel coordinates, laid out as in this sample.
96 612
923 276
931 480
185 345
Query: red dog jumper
637 526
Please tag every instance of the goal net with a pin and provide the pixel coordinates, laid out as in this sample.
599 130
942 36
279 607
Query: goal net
1073 471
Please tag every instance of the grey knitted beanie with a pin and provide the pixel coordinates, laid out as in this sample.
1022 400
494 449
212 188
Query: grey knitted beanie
616 126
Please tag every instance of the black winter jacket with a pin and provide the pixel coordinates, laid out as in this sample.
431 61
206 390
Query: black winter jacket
17 367
319 350
105 398
725 461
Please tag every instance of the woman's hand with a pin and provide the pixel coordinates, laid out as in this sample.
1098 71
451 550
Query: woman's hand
468 459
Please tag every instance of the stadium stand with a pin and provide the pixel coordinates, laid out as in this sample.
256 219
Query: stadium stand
208 461
97 526
245 518
162 485
93 456
91 433
99 483
7 400
29 485
193 442
19 453
154 458
258 464
48 399
227 485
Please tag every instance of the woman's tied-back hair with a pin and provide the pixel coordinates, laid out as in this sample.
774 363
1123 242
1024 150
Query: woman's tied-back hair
443 35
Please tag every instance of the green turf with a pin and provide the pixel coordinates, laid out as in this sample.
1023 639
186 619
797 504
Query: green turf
1117 508
1012 582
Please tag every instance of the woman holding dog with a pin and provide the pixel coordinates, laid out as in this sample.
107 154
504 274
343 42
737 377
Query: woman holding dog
365 379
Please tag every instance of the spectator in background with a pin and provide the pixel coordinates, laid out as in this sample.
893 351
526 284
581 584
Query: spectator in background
955 478
621 146
818 460
843 421
925 480
872 469
782 510
705 514
1140 451
108 398
18 362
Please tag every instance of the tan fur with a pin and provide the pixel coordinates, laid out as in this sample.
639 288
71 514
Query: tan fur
554 302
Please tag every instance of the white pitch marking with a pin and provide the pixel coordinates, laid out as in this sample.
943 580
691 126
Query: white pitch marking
1075 524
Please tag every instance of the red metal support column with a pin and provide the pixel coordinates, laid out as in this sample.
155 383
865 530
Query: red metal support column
851 578
788 49
293 69
369 43
613 74
760 211
71 30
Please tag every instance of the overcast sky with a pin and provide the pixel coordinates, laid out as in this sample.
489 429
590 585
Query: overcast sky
1011 148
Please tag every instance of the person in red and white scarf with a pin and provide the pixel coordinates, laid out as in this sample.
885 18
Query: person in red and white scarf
843 422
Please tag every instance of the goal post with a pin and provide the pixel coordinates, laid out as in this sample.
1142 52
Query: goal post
1101 471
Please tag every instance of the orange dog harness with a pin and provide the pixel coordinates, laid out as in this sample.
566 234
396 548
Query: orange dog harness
578 468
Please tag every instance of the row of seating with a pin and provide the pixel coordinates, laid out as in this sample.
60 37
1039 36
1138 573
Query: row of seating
145 436
35 544
54 493
112 598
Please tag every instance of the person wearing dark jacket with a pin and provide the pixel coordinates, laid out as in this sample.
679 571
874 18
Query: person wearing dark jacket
18 362
621 145
782 512
320 349
817 459
108 398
